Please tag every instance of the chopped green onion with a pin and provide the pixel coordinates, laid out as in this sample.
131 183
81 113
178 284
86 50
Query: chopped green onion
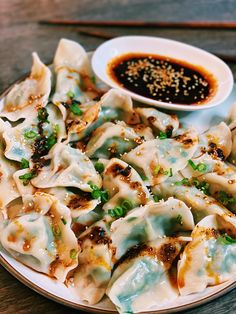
184 181
168 172
27 177
43 115
24 164
226 239
157 169
56 231
29 135
126 205
192 164
179 219
93 79
51 141
63 221
143 177
75 109
99 167
70 94
225 198
157 198
162 135
116 212
97 193
201 167
56 128
73 254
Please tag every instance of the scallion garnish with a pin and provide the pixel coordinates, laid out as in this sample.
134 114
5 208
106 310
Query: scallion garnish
63 221
157 169
24 164
29 135
73 254
97 193
184 181
43 115
226 239
226 199
157 198
70 94
75 109
27 177
126 205
162 135
99 167
201 167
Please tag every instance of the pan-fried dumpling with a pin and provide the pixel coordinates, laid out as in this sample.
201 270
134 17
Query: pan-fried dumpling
25 97
159 121
192 194
69 167
112 140
210 258
114 105
220 176
72 67
95 263
167 158
141 280
42 239
22 140
80 203
123 183
150 222
8 188
216 142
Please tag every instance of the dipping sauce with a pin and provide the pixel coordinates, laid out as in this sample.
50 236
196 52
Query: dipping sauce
163 79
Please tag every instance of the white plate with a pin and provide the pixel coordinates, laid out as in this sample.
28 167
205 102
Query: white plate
169 48
58 292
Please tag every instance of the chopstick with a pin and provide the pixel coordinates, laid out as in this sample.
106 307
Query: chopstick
105 35
188 24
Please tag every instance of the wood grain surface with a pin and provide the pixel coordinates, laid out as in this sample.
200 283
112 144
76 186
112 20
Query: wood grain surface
20 34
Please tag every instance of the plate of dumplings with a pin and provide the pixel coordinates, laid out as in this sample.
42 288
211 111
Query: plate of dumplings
108 205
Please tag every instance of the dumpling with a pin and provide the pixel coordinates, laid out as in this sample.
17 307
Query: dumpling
80 203
73 73
95 263
23 140
140 281
123 183
8 188
114 105
167 158
159 121
216 142
220 177
210 258
193 194
69 167
147 223
112 140
24 98
42 239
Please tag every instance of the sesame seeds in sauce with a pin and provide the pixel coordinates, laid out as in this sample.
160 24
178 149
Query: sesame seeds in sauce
163 79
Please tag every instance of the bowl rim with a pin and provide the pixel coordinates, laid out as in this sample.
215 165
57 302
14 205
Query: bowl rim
159 104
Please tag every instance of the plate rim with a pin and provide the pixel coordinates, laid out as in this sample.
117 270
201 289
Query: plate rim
87 308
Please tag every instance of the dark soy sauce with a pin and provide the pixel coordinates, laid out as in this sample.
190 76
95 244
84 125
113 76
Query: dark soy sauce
163 79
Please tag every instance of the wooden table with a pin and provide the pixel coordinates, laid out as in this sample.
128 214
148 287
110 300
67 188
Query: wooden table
21 34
